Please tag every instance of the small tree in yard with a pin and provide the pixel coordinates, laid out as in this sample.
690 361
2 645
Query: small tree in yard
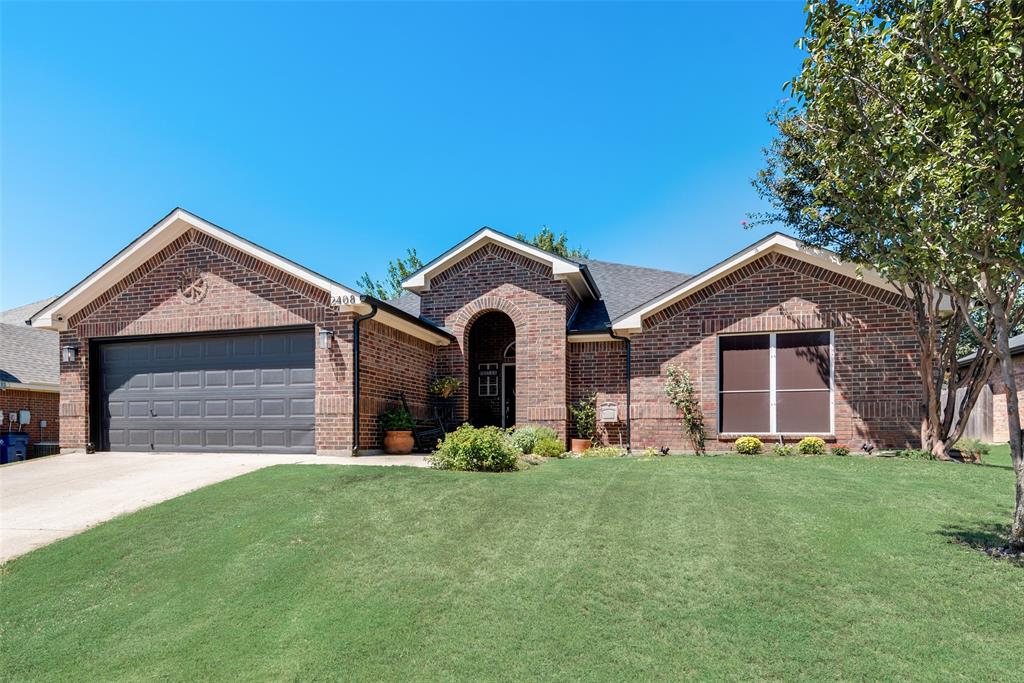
681 394
904 151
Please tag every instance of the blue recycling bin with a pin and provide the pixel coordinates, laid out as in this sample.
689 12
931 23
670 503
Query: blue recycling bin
13 447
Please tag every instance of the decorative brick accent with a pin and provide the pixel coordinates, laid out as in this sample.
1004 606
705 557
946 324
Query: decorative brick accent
44 405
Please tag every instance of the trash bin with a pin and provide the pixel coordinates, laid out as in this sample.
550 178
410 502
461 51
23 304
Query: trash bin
13 447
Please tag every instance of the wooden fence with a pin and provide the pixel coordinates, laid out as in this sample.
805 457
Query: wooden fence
979 425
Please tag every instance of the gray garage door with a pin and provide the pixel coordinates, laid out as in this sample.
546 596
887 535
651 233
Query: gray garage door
245 392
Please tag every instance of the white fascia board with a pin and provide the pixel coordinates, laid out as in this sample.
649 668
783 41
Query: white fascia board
176 223
562 269
42 388
632 321
412 329
590 338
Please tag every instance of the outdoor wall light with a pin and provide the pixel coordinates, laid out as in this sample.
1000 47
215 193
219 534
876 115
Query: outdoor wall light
325 339
68 354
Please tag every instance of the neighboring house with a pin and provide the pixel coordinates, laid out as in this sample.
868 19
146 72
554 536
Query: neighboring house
29 374
999 427
192 338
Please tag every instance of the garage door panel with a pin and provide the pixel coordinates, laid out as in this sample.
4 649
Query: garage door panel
246 392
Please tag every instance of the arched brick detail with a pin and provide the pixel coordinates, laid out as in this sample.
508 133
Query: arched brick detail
474 309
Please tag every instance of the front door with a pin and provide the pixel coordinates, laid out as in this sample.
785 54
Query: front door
508 395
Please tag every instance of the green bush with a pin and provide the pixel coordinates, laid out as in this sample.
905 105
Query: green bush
811 445
972 449
396 420
749 445
603 452
915 454
525 438
841 450
483 449
549 447
782 450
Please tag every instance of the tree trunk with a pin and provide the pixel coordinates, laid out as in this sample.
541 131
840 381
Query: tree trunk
1013 421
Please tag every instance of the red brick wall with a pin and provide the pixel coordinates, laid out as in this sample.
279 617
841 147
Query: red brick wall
243 293
600 367
877 391
1000 428
43 405
494 278
391 363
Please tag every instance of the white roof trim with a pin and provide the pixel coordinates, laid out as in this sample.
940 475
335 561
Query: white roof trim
589 338
633 320
30 386
561 268
410 328
175 224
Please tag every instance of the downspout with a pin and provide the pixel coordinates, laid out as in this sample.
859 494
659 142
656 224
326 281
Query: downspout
355 369
629 387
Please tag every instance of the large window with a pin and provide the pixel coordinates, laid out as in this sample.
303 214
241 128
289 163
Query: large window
778 383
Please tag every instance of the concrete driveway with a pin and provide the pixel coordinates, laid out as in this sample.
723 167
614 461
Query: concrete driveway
50 498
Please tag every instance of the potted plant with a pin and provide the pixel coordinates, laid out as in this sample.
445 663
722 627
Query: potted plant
584 416
397 426
444 387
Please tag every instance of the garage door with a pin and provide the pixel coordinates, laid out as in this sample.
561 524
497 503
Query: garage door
245 392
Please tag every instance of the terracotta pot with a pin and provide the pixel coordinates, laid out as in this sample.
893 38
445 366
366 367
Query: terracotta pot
580 445
398 443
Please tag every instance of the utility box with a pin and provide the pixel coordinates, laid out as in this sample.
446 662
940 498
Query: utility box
13 447
24 417
609 412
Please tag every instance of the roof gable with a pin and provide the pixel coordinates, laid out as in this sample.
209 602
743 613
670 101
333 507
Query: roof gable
56 314
575 274
632 321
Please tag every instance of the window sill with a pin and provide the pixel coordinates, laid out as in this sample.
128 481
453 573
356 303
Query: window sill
766 436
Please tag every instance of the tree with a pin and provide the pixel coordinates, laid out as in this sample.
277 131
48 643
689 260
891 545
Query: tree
398 271
904 150
547 240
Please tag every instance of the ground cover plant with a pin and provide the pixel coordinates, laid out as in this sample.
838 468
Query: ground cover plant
593 569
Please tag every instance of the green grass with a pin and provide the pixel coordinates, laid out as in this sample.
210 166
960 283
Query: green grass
723 568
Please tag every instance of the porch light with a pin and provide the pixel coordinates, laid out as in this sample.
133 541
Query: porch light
325 339
68 354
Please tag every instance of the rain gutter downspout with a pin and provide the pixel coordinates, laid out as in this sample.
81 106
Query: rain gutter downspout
629 387
355 365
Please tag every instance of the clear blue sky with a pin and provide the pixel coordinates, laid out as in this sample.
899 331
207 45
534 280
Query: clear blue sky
339 134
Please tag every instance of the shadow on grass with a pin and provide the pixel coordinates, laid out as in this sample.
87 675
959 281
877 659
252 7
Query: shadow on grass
987 538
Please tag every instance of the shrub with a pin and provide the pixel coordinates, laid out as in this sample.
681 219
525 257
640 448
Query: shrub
652 452
549 447
915 454
469 448
811 445
396 420
749 445
972 449
840 450
603 452
444 386
584 416
525 438
682 395
782 450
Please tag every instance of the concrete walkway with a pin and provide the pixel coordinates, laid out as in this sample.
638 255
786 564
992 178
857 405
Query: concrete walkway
50 498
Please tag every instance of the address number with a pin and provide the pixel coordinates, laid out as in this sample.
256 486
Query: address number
345 300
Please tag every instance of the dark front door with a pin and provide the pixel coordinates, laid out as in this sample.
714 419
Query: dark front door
239 392
508 389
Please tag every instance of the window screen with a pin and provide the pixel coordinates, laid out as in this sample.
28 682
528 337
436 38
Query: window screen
775 383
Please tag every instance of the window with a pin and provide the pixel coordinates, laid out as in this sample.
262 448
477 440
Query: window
778 383
487 379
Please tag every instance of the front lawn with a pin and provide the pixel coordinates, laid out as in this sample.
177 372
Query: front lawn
680 567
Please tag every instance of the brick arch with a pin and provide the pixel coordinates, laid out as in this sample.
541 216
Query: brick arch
465 318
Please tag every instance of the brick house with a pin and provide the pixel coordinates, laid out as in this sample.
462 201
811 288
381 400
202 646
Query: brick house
192 338
1000 433
29 376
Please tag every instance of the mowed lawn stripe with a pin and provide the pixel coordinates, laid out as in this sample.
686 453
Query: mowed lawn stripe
723 567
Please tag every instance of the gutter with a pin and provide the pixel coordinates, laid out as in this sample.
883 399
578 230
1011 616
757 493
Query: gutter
355 369
629 387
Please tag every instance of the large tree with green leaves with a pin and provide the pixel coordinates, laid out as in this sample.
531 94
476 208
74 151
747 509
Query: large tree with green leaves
546 239
903 149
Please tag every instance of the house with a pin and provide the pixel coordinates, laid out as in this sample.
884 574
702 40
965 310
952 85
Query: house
193 338
29 375
994 422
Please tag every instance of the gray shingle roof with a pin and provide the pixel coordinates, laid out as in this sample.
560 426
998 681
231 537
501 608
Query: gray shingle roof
622 287
28 355
18 316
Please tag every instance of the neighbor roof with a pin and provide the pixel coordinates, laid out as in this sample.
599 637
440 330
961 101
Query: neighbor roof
29 357
1016 348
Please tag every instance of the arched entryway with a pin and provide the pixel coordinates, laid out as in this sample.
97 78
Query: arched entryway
492 370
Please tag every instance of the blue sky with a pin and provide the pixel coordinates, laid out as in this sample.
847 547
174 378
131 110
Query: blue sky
339 134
